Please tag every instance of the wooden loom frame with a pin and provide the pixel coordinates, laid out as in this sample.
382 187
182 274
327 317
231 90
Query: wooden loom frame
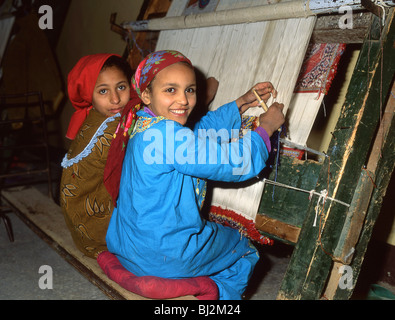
313 269
359 134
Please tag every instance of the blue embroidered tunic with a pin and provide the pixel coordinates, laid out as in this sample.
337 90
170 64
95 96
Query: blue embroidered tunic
156 228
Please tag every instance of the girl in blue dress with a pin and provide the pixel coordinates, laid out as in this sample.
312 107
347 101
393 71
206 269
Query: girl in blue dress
156 228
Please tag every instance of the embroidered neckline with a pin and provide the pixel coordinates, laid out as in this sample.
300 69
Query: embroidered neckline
89 147
143 123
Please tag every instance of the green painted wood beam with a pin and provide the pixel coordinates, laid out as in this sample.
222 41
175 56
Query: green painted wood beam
312 259
288 205
385 170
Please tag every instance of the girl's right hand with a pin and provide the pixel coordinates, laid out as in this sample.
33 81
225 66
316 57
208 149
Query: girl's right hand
248 100
272 119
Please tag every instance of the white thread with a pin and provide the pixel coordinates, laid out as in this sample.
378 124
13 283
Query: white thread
303 190
352 250
381 4
315 218
311 194
322 196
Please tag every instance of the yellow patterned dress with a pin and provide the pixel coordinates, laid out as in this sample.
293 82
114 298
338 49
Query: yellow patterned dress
85 202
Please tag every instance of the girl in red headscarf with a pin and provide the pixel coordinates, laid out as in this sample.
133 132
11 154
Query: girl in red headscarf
156 228
99 90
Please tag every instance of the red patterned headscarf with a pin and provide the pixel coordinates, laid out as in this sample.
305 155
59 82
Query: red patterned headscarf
81 82
145 73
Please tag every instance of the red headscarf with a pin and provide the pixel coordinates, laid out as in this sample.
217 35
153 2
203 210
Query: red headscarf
145 73
81 83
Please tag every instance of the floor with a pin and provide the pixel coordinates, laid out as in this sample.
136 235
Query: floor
20 275
22 279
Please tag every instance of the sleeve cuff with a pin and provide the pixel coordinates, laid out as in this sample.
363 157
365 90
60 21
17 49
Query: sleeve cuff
263 134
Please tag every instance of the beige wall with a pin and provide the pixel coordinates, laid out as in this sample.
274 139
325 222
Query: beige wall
87 31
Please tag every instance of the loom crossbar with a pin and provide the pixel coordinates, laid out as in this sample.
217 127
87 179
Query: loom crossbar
277 11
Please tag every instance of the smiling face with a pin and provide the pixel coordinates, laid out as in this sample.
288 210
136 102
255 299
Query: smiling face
172 93
112 91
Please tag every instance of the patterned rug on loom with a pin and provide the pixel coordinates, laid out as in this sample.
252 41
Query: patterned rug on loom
319 67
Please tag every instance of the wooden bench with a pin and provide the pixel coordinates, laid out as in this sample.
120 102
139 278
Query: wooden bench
45 218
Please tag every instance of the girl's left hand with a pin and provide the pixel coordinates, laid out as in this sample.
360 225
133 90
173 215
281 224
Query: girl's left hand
248 100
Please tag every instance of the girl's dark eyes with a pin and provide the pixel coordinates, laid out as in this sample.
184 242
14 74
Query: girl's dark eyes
120 88
173 90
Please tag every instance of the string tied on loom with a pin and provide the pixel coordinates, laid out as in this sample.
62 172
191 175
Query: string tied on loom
313 192
322 195
321 201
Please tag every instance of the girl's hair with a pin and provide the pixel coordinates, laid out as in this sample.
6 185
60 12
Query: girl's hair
121 64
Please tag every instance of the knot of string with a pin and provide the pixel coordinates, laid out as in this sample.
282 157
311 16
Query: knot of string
321 201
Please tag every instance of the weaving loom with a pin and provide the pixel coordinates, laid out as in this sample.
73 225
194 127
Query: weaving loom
239 56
